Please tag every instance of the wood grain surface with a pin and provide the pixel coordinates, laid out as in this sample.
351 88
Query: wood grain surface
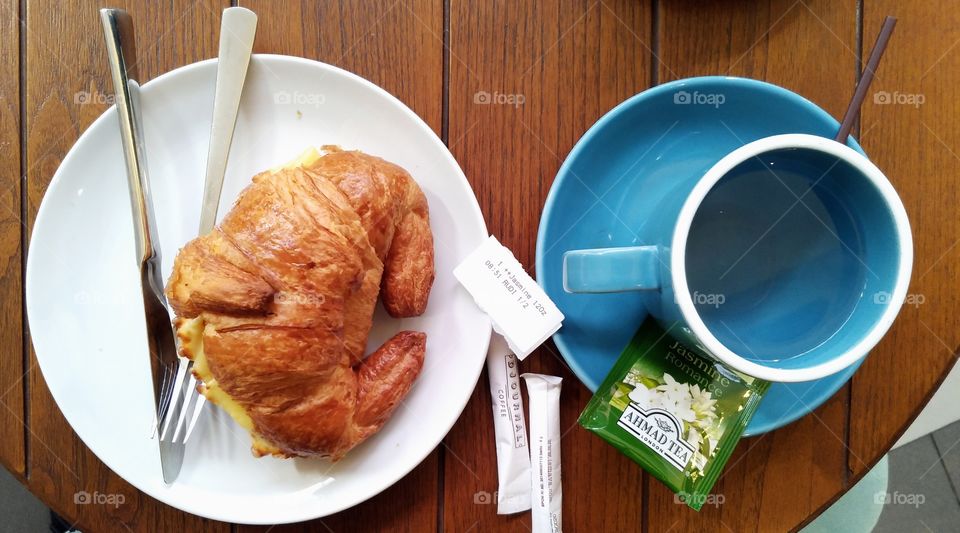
557 66
910 131
12 429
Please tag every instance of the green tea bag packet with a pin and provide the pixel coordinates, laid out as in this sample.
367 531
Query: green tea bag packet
677 413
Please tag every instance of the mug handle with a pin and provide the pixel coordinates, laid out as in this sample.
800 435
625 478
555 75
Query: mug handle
634 268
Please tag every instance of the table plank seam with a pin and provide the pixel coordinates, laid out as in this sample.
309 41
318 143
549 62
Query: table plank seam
445 138
655 43
655 63
24 237
857 132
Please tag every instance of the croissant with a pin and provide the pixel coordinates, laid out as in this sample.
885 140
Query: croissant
274 306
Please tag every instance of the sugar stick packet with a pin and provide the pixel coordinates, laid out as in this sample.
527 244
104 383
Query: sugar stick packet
510 428
676 412
544 394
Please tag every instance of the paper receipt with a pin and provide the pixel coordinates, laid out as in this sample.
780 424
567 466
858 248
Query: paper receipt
518 307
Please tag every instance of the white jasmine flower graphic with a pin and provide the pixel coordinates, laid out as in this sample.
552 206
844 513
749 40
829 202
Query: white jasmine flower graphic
673 388
641 395
676 398
648 398
681 408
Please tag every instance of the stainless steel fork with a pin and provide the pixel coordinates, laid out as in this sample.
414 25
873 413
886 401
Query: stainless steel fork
238 28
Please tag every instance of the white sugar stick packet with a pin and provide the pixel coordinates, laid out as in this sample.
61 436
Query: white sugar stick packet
513 454
544 395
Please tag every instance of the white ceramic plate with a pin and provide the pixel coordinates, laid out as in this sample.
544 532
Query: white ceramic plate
85 312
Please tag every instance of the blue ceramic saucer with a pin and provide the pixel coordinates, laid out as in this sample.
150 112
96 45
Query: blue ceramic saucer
599 199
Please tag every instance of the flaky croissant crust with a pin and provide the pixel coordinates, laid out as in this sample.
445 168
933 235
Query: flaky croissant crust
285 289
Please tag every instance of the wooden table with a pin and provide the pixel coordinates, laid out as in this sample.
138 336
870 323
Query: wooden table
571 60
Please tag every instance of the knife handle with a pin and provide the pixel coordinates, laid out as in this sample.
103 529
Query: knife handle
237 30
122 56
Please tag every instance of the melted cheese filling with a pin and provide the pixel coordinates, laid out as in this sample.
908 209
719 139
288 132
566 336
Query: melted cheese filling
307 158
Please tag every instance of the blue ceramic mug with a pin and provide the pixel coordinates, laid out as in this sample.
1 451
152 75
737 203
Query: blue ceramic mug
788 260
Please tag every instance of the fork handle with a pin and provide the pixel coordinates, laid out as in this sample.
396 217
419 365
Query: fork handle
237 30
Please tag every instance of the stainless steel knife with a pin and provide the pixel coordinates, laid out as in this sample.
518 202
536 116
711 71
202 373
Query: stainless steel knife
161 339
